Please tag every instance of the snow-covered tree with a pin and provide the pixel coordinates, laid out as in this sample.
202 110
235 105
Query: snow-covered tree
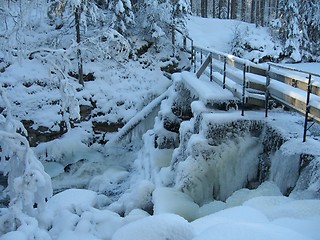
182 9
223 9
18 19
123 15
290 31
310 22
82 13
29 186
155 18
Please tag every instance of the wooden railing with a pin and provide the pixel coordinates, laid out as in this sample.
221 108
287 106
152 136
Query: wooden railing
256 84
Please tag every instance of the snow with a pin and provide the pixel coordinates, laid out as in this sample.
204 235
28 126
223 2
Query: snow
209 39
208 92
158 227
180 203
154 197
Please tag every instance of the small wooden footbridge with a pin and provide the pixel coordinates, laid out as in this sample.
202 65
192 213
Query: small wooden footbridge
250 84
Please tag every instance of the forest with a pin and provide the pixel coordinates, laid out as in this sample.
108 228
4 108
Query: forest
295 22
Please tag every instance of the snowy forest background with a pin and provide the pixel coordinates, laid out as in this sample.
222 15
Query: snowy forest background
74 71
294 22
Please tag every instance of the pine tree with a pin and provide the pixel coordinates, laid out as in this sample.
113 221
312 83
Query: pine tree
223 9
154 18
290 29
310 21
123 15
181 10
234 9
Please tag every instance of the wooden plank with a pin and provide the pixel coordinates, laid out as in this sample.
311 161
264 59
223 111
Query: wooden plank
295 103
203 66
234 63
256 86
257 70
289 80
256 101
315 112
295 82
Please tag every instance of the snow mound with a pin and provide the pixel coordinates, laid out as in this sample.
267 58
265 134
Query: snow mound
248 231
242 195
158 227
237 214
180 203
279 207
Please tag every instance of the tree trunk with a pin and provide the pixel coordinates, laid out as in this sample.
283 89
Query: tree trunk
77 15
257 12
204 8
277 9
253 10
243 10
262 12
234 9
214 8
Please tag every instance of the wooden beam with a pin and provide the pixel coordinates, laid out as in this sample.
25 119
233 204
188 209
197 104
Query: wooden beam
203 66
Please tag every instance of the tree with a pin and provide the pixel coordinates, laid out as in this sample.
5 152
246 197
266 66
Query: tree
29 186
290 29
204 8
81 12
223 9
243 10
310 26
18 20
154 18
181 10
123 15
214 8
234 9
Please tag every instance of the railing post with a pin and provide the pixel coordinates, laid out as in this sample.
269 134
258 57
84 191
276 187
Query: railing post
195 60
201 56
267 91
172 35
192 53
184 42
243 88
173 39
211 67
224 72
307 109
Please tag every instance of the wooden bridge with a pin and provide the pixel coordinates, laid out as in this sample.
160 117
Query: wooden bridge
252 84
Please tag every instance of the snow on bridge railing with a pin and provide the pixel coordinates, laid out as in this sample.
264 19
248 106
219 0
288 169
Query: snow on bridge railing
307 97
299 93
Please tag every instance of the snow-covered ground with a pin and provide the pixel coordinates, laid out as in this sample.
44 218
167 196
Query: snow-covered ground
263 213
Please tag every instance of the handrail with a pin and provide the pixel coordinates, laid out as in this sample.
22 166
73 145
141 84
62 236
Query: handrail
184 36
294 69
